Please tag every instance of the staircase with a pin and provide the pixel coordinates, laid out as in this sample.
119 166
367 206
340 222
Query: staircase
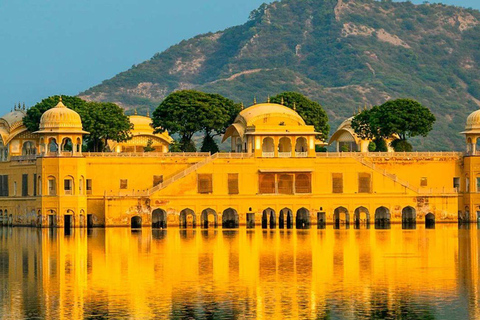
182 174
385 173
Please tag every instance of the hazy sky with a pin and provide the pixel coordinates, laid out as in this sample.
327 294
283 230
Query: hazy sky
52 47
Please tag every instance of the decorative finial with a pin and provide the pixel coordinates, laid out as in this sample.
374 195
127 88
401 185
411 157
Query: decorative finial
254 100
294 106
282 102
268 99
60 99
135 112
243 107
148 113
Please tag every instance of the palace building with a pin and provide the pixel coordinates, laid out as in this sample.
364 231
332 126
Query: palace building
272 177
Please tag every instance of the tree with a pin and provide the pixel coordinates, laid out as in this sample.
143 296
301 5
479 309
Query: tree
187 112
103 120
403 118
148 147
311 111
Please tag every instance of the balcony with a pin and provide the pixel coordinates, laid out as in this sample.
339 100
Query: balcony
284 154
268 154
301 154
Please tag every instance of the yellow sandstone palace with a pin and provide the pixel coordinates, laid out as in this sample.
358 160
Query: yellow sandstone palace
273 177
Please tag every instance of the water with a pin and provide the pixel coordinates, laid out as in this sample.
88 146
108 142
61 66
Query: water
222 274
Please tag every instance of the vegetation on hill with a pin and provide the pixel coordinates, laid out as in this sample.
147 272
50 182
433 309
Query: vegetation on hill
344 54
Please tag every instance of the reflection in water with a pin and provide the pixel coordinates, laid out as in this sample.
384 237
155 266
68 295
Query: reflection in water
214 273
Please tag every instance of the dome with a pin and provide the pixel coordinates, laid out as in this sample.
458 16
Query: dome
60 119
141 123
250 115
473 122
13 118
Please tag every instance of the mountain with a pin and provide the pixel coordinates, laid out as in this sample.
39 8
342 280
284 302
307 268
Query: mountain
344 54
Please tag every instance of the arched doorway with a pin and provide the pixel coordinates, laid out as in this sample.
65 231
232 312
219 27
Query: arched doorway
188 218
341 217
159 219
268 147
382 218
209 218
136 222
268 218
302 219
285 147
301 147
68 222
230 219
285 217
409 218
52 219
430 221
361 216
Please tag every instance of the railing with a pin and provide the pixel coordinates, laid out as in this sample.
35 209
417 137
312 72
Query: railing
438 190
28 157
301 154
234 155
404 155
268 154
285 154
147 154
183 173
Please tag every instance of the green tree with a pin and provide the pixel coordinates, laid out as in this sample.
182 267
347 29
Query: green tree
403 118
188 112
148 147
311 111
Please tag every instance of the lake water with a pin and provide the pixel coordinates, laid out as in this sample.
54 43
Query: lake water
245 273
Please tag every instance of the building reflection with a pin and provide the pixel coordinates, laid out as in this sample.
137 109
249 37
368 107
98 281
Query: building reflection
198 273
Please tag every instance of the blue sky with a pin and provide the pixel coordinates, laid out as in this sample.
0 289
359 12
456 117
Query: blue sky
52 47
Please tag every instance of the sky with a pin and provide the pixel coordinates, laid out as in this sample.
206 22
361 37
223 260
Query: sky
50 47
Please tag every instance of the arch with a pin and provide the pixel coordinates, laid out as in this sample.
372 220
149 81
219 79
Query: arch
67 145
184 218
136 222
81 220
303 218
361 216
41 146
52 145
69 185
341 216
78 145
91 219
68 219
285 146
52 218
268 146
52 186
430 221
382 218
206 214
269 218
28 148
409 218
301 145
285 218
159 219
230 218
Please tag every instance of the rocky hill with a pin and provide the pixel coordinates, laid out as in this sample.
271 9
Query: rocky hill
344 54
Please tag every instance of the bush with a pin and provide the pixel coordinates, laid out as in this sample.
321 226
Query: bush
381 145
372 147
400 145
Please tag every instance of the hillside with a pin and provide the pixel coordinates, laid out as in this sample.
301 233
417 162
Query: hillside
343 54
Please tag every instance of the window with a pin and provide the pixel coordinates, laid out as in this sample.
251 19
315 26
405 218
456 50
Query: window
337 182
423 182
456 183
467 184
233 183
4 185
68 186
52 187
89 186
24 185
14 188
478 184
34 184
266 183
205 183
364 183
303 183
285 184
157 180
123 183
